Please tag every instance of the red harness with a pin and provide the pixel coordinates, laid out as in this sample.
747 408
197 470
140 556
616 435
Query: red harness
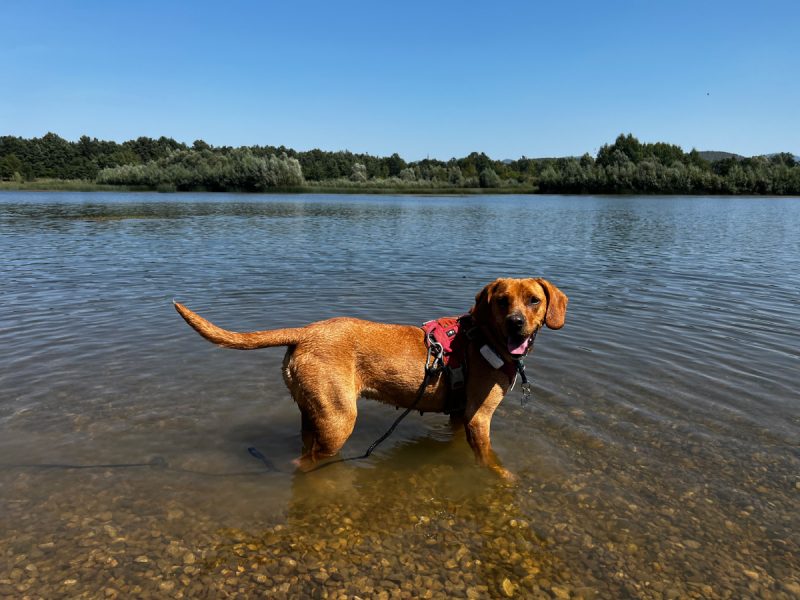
452 335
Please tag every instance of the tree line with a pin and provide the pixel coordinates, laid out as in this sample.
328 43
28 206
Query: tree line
626 166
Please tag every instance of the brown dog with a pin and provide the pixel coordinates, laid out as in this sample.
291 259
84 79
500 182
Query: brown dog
329 364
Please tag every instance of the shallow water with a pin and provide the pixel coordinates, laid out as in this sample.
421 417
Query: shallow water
660 457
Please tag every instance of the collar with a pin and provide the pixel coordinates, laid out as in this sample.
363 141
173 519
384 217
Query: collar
510 368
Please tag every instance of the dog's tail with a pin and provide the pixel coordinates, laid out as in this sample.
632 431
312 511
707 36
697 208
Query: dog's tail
240 341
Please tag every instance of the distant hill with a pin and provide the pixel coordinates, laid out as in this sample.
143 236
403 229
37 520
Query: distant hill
715 155
708 155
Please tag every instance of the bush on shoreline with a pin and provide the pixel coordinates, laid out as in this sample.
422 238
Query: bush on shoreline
187 169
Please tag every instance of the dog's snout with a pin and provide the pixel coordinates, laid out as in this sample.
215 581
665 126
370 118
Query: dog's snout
515 321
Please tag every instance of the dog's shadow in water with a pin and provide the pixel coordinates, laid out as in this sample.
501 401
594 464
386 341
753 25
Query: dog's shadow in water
426 455
416 488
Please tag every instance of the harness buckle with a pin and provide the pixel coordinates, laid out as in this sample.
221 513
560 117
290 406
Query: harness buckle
457 379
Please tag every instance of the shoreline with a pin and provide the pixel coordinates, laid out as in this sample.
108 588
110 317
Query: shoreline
73 185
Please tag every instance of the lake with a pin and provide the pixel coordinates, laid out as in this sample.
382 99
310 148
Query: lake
658 458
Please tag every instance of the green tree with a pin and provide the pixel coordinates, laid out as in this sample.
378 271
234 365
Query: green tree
407 174
359 173
454 175
489 179
9 166
395 164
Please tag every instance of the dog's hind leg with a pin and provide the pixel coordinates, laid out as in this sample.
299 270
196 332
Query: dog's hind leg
327 404
307 433
326 424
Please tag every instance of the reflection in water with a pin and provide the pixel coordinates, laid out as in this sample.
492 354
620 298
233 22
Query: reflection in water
658 460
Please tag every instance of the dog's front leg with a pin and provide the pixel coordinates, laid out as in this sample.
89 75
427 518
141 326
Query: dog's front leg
481 404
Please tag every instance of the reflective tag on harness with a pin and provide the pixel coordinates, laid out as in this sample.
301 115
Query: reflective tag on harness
491 357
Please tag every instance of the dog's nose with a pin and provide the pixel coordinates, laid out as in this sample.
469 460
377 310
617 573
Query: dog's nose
515 321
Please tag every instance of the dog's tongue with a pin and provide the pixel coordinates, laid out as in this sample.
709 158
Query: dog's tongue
515 349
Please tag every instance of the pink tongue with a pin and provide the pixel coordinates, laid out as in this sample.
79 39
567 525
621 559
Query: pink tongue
512 349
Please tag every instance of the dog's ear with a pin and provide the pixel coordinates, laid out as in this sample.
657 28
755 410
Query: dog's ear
481 312
556 304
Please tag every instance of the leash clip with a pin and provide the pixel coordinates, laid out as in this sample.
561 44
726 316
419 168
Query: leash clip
526 387
527 394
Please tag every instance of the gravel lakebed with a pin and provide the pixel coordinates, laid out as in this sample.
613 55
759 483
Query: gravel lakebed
607 525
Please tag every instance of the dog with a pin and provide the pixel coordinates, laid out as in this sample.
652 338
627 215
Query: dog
330 364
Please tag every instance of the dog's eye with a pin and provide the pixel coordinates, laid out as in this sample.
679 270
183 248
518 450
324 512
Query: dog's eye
502 302
534 301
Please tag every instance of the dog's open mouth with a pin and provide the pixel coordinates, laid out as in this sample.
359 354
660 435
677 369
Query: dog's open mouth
518 344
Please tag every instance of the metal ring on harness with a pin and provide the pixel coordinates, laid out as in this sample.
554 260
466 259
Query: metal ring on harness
434 361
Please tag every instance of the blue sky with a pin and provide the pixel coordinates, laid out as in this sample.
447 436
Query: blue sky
438 79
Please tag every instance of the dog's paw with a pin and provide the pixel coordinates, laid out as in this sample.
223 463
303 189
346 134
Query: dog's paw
304 463
506 475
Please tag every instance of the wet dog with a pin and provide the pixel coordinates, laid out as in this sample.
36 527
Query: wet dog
330 364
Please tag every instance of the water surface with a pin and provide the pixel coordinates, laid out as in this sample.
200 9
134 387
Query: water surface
659 458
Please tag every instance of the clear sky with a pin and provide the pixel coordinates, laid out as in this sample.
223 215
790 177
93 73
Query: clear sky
438 79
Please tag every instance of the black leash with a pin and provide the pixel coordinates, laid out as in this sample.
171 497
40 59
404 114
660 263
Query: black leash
256 453
157 462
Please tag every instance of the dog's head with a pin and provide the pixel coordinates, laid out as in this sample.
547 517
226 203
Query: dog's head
512 310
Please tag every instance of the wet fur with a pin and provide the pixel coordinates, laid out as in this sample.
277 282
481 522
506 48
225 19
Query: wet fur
330 364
